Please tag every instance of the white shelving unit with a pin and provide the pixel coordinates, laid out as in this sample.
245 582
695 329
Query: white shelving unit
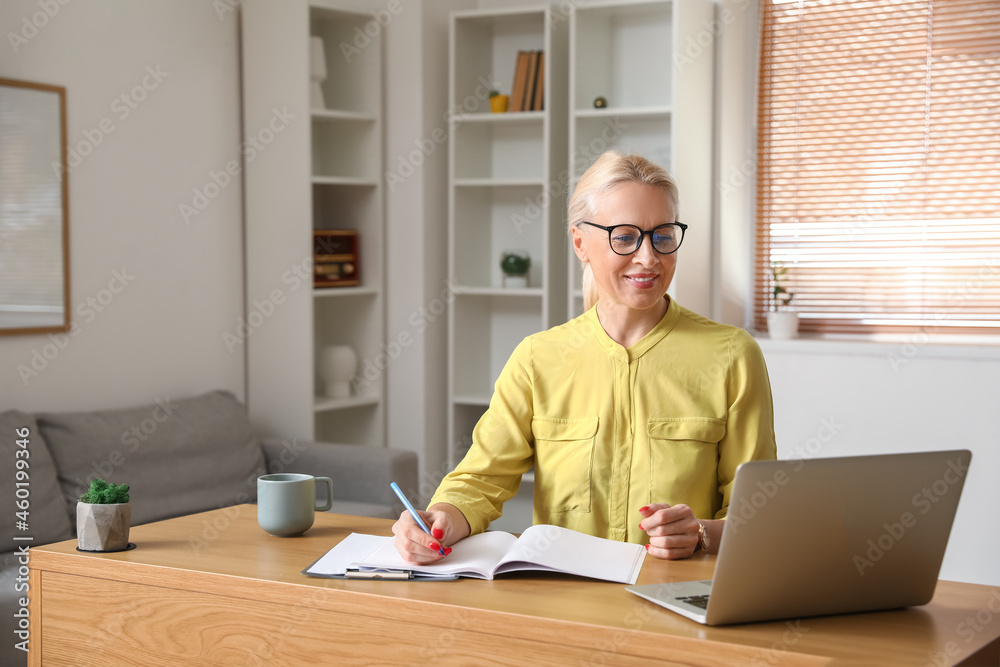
504 194
658 102
323 172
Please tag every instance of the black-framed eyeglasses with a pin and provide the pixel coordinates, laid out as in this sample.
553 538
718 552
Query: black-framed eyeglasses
626 239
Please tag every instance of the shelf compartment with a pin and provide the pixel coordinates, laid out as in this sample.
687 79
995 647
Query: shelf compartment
338 206
351 322
485 50
610 41
499 151
334 139
487 329
361 424
646 135
489 220
350 74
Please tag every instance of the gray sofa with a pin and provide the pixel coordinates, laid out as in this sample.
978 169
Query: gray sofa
179 457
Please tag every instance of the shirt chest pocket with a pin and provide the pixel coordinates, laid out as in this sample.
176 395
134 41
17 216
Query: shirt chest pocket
685 446
564 455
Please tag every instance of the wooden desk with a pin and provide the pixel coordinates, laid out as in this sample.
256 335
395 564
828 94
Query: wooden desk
214 589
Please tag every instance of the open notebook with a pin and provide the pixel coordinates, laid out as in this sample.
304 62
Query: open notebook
483 556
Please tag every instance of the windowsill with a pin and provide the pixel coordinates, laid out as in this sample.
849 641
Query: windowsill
905 346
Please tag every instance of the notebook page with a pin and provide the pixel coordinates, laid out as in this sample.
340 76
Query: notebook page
564 550
474 556
352 548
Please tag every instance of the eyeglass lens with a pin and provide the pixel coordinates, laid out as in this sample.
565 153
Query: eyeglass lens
625 239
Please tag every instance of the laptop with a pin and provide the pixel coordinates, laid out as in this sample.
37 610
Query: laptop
826 536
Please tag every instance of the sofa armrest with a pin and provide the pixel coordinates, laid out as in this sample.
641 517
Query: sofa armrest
359 473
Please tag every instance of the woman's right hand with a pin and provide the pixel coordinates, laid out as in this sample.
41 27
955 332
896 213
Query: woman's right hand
448 525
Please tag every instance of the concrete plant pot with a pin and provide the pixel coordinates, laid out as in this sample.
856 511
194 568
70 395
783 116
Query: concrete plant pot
102 527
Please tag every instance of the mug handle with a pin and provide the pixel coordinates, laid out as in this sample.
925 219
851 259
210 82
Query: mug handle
329 494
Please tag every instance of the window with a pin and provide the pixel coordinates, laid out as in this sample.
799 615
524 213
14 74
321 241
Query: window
879 164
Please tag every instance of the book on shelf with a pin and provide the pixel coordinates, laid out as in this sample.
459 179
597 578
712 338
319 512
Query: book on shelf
529 93
520 81
539 99
528 90
484 556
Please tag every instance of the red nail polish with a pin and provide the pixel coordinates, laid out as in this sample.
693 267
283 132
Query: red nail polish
437 533
647 547
435 546
644 508
640 526
447 550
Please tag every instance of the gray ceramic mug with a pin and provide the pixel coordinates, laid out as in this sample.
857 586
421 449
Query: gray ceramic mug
286 502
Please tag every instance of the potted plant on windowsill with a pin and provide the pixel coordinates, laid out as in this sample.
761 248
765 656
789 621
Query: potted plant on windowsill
782 321
103 516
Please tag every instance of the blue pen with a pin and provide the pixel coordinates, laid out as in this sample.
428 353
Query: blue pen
413 512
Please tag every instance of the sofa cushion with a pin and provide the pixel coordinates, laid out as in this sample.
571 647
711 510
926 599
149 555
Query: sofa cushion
178 457
47 518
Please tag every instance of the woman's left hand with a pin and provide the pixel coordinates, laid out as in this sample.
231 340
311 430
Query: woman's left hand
672 530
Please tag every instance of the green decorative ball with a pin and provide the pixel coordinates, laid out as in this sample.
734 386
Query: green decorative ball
514 264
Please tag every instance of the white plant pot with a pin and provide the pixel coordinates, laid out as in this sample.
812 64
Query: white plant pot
337 365
102 527
782 325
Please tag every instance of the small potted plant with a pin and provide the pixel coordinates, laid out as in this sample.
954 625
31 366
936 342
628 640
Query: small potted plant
103 516
498 102
782 322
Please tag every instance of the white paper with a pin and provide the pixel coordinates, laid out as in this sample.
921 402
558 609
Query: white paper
355 547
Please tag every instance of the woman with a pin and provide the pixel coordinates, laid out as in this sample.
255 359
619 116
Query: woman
635 415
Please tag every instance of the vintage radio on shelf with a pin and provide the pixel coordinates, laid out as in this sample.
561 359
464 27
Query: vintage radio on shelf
335 258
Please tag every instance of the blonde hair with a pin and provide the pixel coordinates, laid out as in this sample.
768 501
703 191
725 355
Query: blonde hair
611 169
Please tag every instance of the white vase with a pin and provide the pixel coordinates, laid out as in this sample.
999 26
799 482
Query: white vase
337 365
782 324
317 73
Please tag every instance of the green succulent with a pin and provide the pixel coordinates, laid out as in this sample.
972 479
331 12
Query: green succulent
102 493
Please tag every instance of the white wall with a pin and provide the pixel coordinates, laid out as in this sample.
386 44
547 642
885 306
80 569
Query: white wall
161 334
847 399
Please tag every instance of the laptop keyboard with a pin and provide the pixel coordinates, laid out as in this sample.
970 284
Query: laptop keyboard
696 600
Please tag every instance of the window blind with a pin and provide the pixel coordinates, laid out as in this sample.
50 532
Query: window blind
878 185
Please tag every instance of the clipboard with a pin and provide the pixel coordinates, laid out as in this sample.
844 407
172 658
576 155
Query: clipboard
342 562
357 574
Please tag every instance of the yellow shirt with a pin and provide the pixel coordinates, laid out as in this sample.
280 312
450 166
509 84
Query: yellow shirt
610 429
